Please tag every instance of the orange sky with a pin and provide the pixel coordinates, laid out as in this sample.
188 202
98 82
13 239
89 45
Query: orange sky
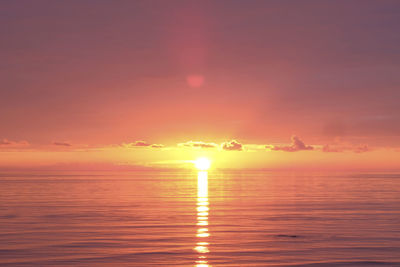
231 155
300 85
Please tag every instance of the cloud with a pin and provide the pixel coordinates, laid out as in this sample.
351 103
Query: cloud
346 147
140 143
61 144
5 142
157 146
13 144
297 145
330 148
361 149
199 144
232 146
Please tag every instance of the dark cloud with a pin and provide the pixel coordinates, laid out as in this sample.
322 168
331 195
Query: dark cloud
61 144
232 146
198 144
297 145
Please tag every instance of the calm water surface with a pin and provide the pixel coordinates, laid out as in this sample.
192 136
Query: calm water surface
245 218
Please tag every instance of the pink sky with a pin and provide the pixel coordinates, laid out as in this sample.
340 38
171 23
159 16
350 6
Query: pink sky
81 74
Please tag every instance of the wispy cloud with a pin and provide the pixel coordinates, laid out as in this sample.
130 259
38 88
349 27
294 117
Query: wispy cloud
361 148
141 143
296 145
13 144
157 146
199 144
62 144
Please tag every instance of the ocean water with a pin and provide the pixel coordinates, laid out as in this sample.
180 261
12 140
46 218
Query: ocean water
186 218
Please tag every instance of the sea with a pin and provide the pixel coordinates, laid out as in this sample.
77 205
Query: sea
191 218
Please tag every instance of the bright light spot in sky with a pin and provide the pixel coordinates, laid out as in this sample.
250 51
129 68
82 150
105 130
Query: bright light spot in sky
202 164
195 80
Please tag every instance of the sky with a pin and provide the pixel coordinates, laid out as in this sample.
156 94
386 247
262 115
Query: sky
251 84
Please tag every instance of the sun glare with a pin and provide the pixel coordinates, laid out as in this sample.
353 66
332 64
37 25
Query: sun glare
202 164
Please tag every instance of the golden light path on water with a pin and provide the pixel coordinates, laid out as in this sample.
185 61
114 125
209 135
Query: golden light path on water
202 219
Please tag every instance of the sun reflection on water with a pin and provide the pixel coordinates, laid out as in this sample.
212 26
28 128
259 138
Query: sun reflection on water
202 219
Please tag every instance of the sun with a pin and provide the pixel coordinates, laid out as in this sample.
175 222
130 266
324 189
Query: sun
202 164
